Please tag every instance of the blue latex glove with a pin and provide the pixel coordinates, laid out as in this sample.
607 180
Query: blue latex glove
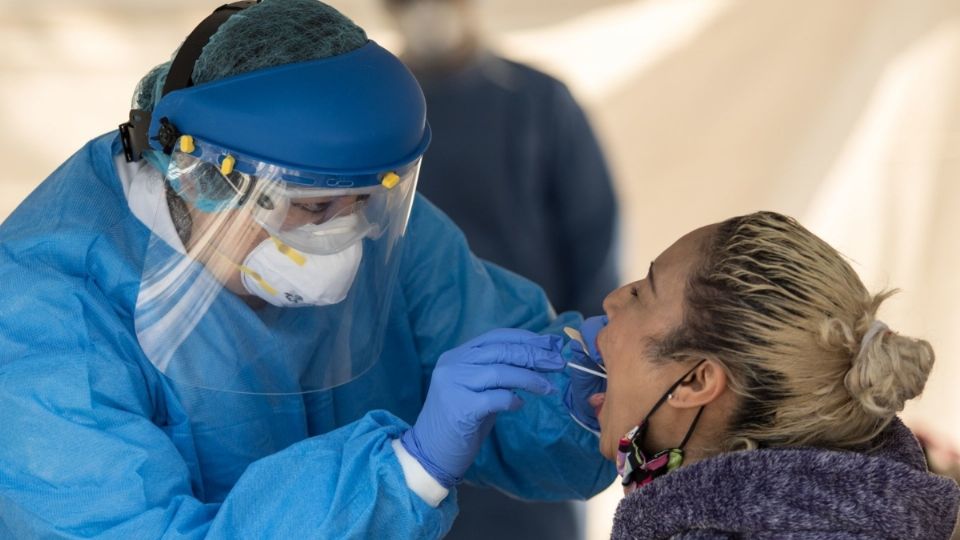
470 385
584 384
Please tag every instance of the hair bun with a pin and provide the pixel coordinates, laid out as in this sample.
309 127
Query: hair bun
888 369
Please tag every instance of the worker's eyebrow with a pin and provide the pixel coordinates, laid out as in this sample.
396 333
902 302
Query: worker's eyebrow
653 286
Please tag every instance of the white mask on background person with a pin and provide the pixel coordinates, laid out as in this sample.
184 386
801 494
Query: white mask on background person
432 30
286 277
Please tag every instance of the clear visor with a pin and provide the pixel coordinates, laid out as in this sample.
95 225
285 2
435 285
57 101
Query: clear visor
314 219
275 281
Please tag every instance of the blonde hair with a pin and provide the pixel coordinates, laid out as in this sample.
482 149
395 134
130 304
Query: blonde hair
787 316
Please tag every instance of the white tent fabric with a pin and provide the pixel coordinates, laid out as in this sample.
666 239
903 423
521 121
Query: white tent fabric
843 114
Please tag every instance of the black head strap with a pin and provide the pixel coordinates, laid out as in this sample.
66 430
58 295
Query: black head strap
181 69
133 133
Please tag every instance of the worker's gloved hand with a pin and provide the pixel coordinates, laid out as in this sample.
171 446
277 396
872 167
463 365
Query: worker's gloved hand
470 385
587 374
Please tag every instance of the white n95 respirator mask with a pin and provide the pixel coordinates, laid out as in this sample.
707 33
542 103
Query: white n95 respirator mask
286 277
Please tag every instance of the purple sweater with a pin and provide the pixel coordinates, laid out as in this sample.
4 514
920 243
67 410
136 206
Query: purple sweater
798 493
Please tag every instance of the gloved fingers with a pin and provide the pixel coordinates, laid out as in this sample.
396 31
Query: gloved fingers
589 330
506 377
583 385
588 424
583 412
576 347
591 326
525 356
576 356
516 336
495 401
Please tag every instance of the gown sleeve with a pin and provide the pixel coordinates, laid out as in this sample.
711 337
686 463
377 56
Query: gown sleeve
80 456
91 445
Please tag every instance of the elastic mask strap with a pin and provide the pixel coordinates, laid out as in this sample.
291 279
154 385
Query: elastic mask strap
693 426
254 275
696 419
642 432
670 390
632 463
134 133
298 258
258 278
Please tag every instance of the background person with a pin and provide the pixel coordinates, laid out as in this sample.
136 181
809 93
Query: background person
516 165
514 162
753 392
231 337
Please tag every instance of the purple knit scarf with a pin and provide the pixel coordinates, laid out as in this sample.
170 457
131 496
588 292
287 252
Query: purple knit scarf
798 493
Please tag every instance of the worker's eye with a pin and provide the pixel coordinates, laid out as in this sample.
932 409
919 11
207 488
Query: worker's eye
314 207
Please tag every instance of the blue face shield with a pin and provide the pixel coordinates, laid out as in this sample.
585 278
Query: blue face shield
299 181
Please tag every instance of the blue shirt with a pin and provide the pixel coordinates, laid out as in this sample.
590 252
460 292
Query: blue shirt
517 167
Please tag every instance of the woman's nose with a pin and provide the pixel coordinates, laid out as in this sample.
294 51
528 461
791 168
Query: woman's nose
612 301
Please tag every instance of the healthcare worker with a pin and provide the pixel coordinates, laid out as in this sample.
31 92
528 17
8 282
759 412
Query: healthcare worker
223 321
512 151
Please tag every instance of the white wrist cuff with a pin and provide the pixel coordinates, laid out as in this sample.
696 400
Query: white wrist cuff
418 479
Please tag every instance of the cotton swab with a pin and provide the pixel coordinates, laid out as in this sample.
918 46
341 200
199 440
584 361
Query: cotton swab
587 370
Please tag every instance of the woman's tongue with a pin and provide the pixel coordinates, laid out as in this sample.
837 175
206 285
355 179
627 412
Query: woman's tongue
596 401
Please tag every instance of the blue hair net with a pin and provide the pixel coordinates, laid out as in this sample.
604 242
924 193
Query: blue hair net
271 33
268 34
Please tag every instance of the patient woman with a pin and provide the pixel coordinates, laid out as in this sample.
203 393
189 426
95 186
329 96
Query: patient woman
752 393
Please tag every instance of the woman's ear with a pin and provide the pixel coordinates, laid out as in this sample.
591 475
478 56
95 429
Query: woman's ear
701 387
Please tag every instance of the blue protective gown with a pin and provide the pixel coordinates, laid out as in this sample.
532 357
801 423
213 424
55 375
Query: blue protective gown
95 442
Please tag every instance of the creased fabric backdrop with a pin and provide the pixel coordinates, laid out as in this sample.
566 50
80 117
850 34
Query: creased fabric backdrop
843 114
